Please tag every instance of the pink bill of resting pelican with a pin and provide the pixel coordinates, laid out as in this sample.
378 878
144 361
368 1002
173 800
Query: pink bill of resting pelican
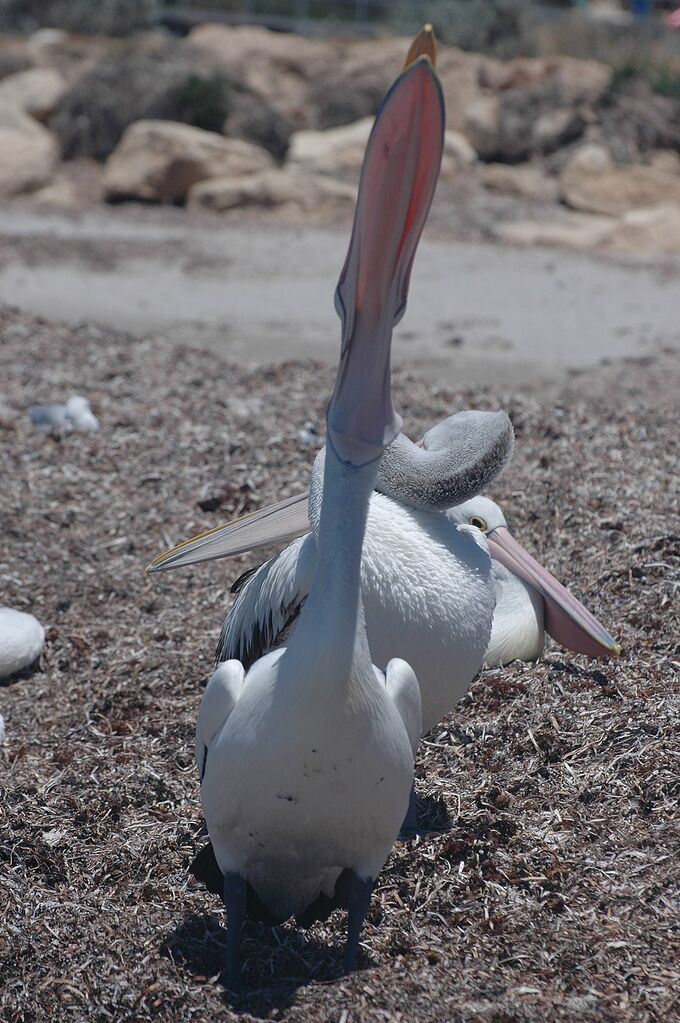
306 758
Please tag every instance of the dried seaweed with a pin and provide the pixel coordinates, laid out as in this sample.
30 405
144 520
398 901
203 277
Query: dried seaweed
546 888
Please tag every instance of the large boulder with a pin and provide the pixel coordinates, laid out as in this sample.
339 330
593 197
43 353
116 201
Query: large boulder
525 181
278 68
288 187
36 91
333 151
634 118
579 231
536 106
615 190
147 80
159 161
340 151
158 79
28 153
481 125
647 232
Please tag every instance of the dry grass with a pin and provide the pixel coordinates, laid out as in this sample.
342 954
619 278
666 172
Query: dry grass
547 891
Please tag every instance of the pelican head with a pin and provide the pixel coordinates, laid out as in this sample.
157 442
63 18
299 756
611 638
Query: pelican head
566 619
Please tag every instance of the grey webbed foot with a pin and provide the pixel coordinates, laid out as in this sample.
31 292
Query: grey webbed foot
235 905
360 891
410 826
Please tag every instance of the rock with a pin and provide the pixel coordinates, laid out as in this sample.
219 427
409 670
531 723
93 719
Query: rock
60 193
276 67
458 153
616 190
500 75
667 160
591 158
304 190
579 81
259 123
526 181
460 74
555 128
14 57
647 232
333 151
36 91
159 79
578 231
159 161
28 153
143 81
635 119
481 125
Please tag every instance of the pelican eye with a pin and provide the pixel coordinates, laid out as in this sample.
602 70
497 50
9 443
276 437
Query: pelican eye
478 521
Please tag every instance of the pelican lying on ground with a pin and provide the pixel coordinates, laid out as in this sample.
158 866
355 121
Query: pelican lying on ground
307 760
21 641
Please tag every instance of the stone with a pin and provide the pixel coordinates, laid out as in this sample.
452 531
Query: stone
36 91
647 232
458 153
481 125
577 231
616 190
276 66
159 161
591 158
555 128
579 81
294 187
527 181
60 194
333 151
667 160
28 153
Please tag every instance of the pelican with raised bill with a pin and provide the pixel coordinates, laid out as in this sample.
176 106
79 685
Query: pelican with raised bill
306 758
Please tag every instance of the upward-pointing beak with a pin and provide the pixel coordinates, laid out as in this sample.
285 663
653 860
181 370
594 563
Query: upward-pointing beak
566 619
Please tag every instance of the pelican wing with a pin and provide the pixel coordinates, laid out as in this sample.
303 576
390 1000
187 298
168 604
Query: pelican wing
219 699
267 603
276 523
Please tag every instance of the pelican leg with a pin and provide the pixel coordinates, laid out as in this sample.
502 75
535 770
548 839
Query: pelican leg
360 891
235 905
410 826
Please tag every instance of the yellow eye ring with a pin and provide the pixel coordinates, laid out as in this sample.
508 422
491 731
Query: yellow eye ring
478 521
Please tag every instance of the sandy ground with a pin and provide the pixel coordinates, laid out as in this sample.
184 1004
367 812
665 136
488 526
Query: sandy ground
479 312
547 886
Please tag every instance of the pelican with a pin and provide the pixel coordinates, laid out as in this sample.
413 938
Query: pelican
21 641
429 592
306 757
529 600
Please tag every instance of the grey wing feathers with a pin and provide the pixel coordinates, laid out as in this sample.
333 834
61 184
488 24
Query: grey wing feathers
267 602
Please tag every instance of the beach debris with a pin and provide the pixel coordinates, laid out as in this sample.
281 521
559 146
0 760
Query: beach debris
21 641
309 436
76 414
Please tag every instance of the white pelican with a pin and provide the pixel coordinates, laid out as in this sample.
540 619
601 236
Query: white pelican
307 760
427 591
529 600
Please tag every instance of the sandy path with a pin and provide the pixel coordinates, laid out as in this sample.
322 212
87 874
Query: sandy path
260 293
